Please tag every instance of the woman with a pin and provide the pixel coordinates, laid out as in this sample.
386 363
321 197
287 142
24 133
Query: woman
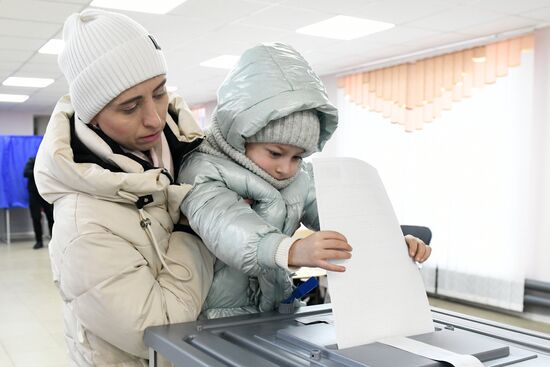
107 164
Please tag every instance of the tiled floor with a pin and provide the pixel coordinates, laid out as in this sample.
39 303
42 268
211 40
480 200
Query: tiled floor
31 326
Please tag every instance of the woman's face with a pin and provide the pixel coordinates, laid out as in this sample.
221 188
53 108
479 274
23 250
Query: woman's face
136 117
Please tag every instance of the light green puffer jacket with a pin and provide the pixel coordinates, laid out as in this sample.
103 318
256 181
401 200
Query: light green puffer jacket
270 81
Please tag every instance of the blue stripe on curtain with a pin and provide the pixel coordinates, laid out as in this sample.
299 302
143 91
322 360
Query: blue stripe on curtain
14 154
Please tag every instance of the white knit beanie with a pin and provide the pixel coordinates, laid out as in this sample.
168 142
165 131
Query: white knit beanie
105 53
300 129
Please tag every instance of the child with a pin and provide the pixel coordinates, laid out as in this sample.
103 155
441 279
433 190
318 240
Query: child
251 190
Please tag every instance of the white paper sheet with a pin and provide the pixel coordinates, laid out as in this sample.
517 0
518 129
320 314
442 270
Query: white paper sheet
381 294
432 352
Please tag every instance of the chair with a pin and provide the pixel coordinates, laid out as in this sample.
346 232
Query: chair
424 233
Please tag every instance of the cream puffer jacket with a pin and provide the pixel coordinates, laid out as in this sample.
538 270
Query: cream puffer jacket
116 264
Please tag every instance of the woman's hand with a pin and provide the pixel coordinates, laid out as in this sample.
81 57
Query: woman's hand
316 249
418 250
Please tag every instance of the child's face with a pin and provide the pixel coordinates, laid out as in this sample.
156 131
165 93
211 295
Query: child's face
281 161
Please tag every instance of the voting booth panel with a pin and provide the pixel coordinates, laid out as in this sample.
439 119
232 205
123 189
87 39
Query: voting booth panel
307 338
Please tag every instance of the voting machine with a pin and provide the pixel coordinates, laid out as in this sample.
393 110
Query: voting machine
307 338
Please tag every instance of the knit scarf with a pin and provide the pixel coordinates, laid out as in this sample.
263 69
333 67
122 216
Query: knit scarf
215 144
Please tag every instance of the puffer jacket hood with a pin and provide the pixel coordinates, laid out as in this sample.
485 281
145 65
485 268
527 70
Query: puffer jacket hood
270 81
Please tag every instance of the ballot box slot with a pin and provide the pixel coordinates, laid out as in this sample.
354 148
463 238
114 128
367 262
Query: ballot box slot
262 339
226 352
260 346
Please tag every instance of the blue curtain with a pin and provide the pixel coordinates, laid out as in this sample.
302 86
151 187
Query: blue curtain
14 154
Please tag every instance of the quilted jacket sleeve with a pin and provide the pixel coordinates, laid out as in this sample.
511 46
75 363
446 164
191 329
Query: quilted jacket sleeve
116 296
234 232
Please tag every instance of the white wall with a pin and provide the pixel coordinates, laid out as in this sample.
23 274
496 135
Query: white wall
209 107
16 123
40 124
539 268
330 82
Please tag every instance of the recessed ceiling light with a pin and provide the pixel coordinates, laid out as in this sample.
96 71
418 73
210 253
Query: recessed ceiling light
221 62
344 28
16 98
142 6
171 88
27 82
52 47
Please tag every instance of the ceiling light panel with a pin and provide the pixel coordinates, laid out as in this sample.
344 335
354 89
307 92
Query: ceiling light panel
27 82
52 47
221 62
142 6
13 98
344 28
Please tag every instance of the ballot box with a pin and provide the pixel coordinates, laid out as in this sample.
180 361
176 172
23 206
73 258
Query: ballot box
307 338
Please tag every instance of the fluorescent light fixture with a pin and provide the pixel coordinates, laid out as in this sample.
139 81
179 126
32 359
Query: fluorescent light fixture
16 98
142 6
221 62
52 47
27 82
343 27
171 88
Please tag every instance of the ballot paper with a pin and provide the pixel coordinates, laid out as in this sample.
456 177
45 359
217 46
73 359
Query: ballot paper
432 352
381 294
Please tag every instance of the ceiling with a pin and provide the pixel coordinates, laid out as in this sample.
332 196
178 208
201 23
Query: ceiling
199 30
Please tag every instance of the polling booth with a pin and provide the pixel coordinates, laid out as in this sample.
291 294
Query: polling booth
15 151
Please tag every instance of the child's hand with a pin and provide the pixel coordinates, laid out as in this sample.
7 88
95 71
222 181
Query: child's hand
418 250
317 248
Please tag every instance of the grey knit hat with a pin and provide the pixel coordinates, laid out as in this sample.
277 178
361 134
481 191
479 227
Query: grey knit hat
300 129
